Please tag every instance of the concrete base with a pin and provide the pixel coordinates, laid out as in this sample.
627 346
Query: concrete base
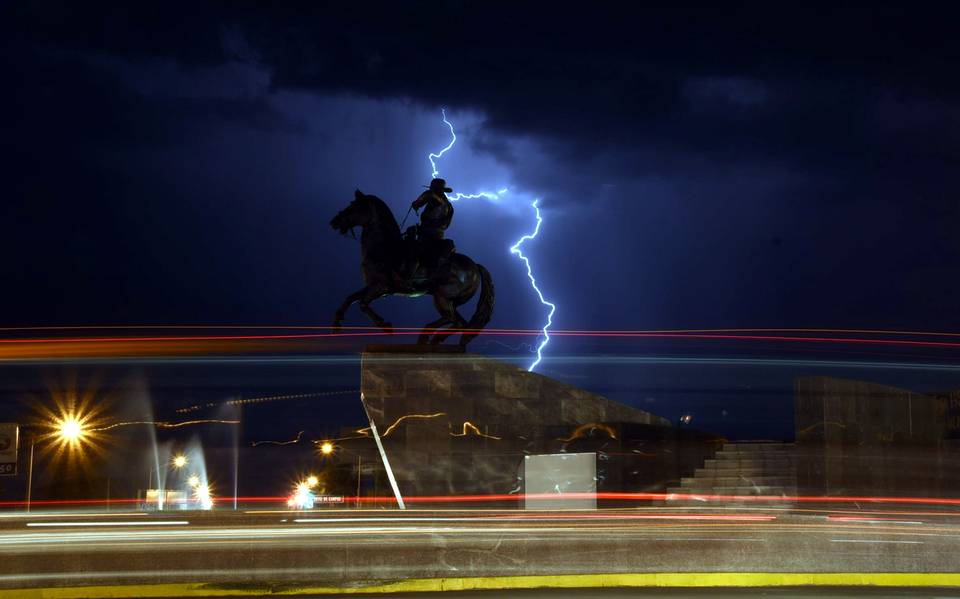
458 423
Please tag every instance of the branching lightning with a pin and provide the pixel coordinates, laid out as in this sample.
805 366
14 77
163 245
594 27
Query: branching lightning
433 157
515 248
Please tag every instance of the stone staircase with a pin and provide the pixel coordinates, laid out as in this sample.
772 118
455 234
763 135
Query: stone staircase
759 468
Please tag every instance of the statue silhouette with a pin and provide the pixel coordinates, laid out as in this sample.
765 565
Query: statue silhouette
391 265
436 217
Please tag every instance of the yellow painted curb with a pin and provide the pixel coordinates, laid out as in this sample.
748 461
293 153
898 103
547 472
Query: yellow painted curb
563 581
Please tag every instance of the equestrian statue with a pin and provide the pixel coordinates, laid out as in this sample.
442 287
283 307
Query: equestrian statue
419 261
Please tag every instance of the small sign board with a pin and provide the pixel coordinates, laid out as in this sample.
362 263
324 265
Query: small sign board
9 444
560 481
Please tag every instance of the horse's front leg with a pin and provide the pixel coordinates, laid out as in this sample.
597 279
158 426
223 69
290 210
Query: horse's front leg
370 293
342 310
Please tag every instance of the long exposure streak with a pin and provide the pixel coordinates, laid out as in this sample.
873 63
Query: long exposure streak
160 424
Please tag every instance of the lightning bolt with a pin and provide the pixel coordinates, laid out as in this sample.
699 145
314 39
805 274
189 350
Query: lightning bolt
453 139
515 248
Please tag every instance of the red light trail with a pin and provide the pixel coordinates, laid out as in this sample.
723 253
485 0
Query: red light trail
494 332
516 497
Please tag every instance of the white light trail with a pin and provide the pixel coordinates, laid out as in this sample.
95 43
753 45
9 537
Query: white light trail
140 523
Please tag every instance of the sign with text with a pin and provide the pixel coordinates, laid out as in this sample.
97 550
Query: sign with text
9 443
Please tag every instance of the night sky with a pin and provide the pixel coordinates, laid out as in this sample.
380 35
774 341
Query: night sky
703 165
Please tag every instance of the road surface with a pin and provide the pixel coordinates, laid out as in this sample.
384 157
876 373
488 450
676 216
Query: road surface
280 549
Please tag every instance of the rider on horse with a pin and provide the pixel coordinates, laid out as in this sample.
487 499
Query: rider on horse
436 217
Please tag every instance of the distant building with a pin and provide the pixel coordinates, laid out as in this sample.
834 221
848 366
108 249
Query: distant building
857 437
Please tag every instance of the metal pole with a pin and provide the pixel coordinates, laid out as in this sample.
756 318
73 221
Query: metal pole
358 482
236 456
383 457
33 441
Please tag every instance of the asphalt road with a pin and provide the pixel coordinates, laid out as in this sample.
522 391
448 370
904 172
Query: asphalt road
337 548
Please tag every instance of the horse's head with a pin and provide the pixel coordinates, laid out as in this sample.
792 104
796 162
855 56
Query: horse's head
358 214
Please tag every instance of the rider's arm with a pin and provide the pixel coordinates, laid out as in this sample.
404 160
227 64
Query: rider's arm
421 201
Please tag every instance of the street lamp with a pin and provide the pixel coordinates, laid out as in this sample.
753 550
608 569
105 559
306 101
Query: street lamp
69 430
177 462
202 494
327 449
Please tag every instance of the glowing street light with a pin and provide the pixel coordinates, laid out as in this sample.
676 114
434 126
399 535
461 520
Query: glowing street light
70 430
312 481
179 461
193 481
203 496
326 448
303 498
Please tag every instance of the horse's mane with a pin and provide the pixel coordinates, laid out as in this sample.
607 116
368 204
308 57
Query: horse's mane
388 223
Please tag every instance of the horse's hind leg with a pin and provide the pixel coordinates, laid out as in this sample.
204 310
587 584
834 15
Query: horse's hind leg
459 322
448 315
429 328
342 310
371 293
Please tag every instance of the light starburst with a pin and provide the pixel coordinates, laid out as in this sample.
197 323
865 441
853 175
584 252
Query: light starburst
68 421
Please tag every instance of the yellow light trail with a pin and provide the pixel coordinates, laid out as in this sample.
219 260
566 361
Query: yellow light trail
469 427
290 442
161 424
364 433
390 429
583 429
256 400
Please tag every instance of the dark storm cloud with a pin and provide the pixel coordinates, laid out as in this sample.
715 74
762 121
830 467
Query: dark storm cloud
728 81
815 87
765 152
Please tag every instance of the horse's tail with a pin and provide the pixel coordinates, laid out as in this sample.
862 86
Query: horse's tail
484 309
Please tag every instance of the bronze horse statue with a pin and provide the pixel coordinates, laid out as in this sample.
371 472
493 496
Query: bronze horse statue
385 260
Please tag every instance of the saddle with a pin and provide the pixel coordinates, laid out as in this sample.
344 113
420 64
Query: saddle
425 257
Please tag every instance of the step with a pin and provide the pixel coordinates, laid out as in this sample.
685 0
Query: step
734 469
745 489
774 491
711 473
758 447
692 499
732 481
756 455
745 464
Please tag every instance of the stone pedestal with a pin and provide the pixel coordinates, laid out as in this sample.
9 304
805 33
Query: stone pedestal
458 424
